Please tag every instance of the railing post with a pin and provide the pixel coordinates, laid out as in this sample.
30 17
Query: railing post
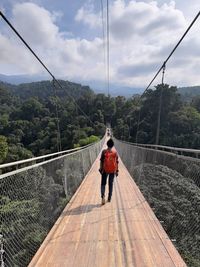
160 106
2 251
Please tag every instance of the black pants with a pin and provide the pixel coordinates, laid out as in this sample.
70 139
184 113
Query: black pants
110 183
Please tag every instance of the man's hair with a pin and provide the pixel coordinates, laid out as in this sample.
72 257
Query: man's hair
110 143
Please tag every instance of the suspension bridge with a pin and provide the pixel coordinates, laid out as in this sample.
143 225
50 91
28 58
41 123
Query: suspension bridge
124 232
51 213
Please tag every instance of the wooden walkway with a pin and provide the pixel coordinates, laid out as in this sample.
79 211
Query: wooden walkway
124 232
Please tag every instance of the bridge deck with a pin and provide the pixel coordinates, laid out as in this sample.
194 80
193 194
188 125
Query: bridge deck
122 233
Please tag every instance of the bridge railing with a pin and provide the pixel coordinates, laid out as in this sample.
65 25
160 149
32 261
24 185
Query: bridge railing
32 198
170 183
31 161
176 150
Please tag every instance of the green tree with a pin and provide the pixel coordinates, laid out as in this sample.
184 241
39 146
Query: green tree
184 130
31 108
196 103
3 148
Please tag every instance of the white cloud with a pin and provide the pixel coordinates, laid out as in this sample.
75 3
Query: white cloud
13 58
145 20
86 15
36 23
63 54
142 34
145 34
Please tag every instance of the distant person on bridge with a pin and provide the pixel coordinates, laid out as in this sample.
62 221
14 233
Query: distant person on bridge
108 167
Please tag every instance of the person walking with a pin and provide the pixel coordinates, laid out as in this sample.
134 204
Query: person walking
108 167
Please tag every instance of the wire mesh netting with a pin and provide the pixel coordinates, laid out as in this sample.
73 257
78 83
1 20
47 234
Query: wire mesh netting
171 185
33 198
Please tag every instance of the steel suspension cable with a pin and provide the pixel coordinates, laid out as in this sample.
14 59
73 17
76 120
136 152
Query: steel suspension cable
138 122
160 107
163 68
176 46
108 50
159 111
59 142
104 39
22 39
55 80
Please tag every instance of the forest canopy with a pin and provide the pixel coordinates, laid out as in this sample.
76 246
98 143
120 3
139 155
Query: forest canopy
29 115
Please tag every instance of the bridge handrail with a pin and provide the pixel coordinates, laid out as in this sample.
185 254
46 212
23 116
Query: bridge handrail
72 152
166 148
6 165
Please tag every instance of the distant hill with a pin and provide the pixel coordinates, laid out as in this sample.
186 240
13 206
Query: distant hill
44 89
189 92
114 89
17 79
97 86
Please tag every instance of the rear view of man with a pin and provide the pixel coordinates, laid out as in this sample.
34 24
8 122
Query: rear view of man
108 167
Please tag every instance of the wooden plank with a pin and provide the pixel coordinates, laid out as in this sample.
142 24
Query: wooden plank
124 232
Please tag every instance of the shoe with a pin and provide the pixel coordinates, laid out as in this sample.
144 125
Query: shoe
103 201
109 199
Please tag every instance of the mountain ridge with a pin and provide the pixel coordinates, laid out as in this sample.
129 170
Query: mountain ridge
97 86
187 92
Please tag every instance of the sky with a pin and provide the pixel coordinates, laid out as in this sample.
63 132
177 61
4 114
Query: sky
68 36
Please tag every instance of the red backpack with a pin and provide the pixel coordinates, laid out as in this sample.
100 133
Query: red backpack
110 161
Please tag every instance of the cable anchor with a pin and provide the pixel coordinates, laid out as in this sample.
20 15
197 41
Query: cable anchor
163 72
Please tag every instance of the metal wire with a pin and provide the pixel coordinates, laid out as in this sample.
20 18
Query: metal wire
108 50
59 142
160 107
170 183
174 49
104 39
54 79
32 200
